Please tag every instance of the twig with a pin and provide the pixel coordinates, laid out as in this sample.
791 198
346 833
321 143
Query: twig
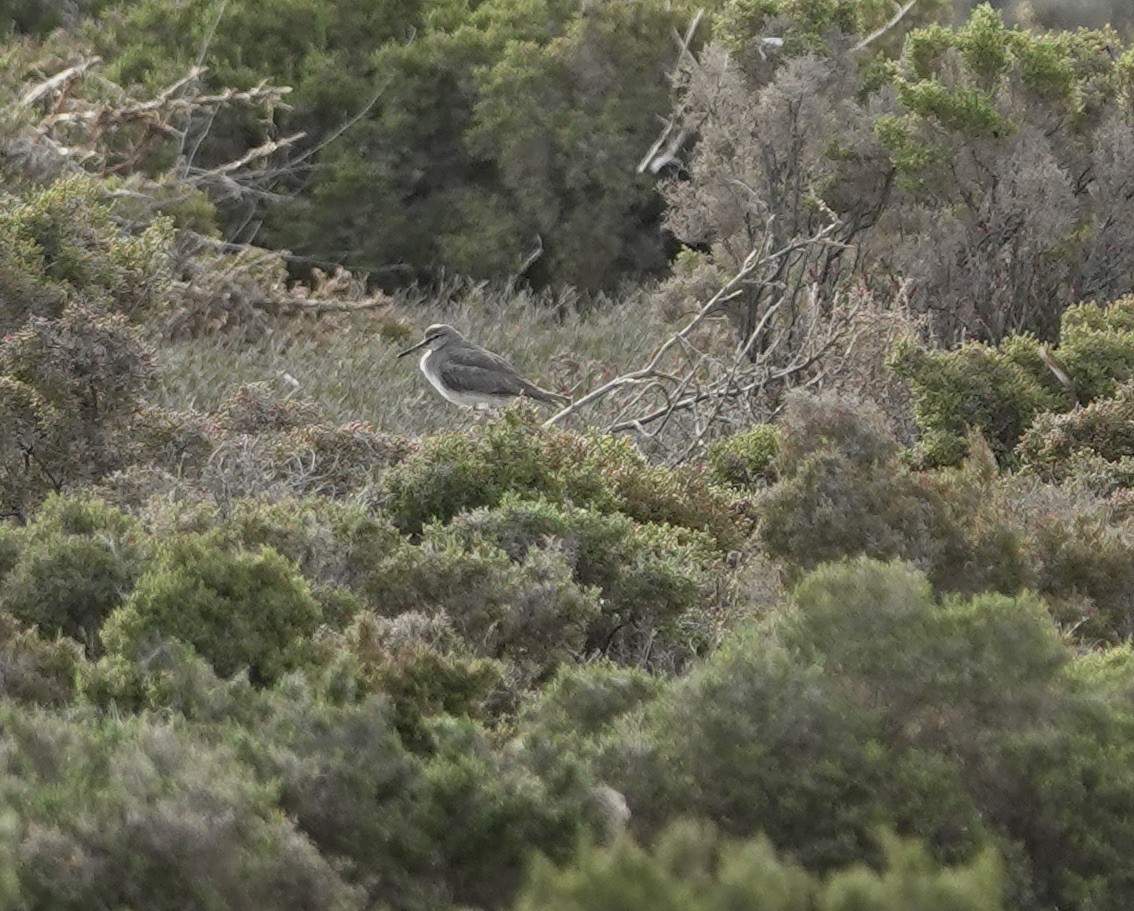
752 262
45 88
878 33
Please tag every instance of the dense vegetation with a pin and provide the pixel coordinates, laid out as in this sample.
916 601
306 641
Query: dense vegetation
280 628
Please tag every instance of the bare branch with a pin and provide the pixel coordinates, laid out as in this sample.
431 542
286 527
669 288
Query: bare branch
879 32
57 82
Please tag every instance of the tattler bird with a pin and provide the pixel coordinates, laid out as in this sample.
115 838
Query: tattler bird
469 375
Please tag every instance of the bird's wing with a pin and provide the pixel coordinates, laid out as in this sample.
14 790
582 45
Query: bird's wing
482 372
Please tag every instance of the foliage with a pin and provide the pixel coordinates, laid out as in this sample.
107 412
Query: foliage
648 577
454 472
693 868
744 459
140 813
1001 390
76 562
976 176
529 611
805 729
61 245
68 388
497 128
34 670
242 610
423 668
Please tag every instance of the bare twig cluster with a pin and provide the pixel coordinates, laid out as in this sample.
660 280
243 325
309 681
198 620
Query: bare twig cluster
78 119
702 382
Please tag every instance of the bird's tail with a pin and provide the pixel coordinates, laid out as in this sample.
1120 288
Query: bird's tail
533 391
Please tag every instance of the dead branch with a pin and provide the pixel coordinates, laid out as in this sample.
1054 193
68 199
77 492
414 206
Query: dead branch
752 262
683 54
57 83
880 32
690 389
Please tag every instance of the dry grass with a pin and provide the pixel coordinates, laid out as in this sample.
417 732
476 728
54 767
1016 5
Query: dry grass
347 364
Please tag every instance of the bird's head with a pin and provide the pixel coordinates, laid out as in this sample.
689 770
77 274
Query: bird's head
436 336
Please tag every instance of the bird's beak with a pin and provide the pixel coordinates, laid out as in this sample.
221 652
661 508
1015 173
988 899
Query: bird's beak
420 344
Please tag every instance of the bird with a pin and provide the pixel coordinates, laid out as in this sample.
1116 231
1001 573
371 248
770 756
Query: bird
468 375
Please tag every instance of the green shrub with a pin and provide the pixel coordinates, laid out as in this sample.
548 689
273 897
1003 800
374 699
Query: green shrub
60 245
455 472
745 459
34 670
77 560
693 869
69 388
650 578
350 788
843 491
1057 446
1001 391
997 391
871 703
142 813
423 667
529 611
992 659
240 610
1096 347
484 814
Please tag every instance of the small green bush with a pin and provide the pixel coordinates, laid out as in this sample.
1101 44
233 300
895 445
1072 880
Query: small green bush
485 814
745 459
423 667
69 388
61 245
1002 390
650 577
872 703
239 609
1058 446
530 612
997 391
77 561
34 670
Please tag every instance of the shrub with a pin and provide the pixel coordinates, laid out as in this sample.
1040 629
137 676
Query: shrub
1058 445
254 408
142 813
692 868
34 670
745 459
843 491
425 670
349 787
455 472
77 560
529 611
485 814
871 703
1001 391
650 578
974 386
240 610
61 246
68 390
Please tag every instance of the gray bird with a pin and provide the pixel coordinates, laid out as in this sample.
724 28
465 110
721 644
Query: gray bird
468 375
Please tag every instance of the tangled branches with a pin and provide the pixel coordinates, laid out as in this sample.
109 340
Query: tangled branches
701 381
